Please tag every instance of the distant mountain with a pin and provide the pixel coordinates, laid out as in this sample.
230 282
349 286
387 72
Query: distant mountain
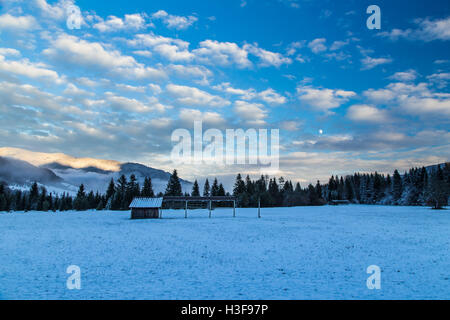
143 171
60 172
21 172
41 158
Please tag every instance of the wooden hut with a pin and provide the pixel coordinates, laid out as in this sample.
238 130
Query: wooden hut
146 208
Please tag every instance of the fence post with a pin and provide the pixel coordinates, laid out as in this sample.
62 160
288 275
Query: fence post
259 207
234 208
185 209
210 208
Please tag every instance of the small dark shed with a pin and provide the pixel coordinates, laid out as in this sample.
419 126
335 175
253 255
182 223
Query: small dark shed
146 208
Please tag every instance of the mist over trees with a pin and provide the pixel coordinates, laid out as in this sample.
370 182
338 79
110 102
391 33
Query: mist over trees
416 187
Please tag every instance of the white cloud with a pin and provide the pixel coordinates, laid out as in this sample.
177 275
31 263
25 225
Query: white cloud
169 48
435 30
246 94
317 45
436 106
152 40
323 99
395 34
207 117
222 53
84 81
175 22
272 97
290 125
412 99
140 72
269 95
130 88
143 53
113 23
370 63
338 45
9 52
294 46
133 105
71 50
251 113
266 57
29 69
366 113
92 54
427 30
300 58
409 75
439 79
195 97
173 52
156 89
57 11
199 74
394 90
17 23
73 90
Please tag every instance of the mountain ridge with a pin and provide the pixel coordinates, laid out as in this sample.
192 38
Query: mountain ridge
66 173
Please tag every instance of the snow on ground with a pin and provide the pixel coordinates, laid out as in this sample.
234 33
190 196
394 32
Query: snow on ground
290 253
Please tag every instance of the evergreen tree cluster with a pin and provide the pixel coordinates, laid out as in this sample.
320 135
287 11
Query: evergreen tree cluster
272 192
117 197
418 186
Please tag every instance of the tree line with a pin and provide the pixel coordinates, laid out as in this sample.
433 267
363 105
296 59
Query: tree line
418 186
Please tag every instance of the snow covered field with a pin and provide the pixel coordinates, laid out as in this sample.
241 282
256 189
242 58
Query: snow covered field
290 253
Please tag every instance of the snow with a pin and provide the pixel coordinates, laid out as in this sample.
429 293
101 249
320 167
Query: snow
290 253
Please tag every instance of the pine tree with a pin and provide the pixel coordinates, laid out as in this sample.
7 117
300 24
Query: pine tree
111 189
437 189
173 185
274 193
91 204
34 196
349 193
3 200
206 189
215 188
397 187
147 189
195 189
239 191
319 190
41 200
377 180
80 203
131 191
239 186
119 201
312 194
221 192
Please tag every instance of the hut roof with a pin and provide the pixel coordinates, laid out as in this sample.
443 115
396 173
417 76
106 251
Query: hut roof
146 203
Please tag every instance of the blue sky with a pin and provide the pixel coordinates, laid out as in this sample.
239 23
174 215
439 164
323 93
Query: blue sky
345 98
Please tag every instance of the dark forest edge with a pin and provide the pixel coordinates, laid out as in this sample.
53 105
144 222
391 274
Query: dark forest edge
417 187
